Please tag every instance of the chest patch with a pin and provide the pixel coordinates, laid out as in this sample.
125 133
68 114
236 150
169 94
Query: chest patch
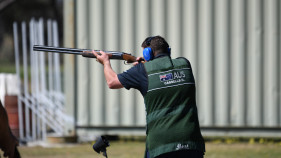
170 78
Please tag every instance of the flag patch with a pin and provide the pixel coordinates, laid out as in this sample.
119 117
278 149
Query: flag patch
166 77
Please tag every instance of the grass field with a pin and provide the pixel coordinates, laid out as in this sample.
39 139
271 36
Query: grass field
122 149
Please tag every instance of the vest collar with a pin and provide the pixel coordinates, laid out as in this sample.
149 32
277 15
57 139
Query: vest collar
160 56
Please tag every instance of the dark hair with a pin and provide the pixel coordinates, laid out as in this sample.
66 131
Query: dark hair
157 43
147 41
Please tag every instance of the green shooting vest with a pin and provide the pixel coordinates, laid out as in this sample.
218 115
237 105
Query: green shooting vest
172 119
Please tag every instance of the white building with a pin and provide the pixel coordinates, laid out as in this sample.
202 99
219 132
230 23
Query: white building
233 45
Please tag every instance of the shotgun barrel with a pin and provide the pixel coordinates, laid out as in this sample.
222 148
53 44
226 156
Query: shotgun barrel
85 52
59 49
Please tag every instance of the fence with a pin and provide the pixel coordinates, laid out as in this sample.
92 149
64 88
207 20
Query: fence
40 89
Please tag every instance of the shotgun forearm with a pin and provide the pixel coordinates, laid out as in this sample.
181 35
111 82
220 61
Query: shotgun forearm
86 52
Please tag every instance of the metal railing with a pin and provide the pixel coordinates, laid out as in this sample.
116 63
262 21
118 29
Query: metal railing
40 91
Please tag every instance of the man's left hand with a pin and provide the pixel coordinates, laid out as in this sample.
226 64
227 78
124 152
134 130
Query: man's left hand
102 57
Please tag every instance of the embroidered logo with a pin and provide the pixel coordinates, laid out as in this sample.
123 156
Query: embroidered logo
181 147
171 78
166 77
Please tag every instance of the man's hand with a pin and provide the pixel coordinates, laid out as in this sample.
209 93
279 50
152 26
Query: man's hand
110 76
102 57
138 60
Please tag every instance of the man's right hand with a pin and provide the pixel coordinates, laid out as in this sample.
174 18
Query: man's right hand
138 60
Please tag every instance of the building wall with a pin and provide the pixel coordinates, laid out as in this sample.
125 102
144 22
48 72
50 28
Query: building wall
233 46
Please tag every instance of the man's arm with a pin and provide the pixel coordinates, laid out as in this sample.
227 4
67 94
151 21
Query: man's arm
110 76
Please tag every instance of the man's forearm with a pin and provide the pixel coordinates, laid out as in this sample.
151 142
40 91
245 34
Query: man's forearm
111 77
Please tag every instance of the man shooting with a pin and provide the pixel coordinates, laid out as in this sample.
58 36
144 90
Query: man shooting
168 88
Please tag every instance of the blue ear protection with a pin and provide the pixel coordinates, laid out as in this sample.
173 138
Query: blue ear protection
169 51
148 53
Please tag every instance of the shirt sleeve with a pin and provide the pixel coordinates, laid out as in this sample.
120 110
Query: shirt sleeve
135 77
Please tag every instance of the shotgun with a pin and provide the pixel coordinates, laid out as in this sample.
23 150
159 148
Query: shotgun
86 52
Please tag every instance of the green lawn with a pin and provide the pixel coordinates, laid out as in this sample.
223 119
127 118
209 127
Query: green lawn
122 149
